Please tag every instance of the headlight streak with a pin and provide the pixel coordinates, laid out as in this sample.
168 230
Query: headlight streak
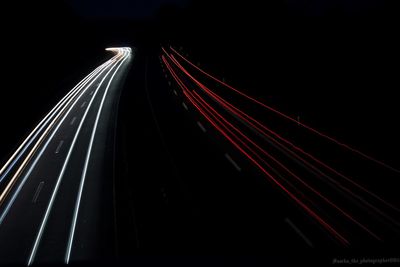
27 159
35 132
120 55
85 168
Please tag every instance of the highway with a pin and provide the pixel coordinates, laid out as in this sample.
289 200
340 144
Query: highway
237 151
202 198
57 188
190 165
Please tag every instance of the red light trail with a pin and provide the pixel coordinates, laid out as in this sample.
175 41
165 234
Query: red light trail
230 127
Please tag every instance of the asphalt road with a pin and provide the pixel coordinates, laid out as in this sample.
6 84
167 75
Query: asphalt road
188 190
57 189
160 179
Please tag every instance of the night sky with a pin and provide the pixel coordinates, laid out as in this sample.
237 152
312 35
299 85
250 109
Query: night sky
126 9
117 9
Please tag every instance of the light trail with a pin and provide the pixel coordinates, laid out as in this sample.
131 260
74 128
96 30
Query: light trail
32 166
120 55
85 168
36 131
249 120
288 117
254 152
257 164
27 159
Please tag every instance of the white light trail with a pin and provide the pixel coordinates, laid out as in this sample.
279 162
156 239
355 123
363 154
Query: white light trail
83 178
120 53
35 147
10 203
25 144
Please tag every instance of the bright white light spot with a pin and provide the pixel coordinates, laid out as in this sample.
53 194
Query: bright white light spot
119 49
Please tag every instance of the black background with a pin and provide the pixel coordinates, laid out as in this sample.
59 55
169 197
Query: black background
334 63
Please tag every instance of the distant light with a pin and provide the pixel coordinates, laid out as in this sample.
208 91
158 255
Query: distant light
119 49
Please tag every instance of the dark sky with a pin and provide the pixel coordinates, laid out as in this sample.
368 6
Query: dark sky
129 9
134 9
324 7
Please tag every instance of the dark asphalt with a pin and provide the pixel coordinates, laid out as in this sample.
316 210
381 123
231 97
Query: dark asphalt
181 193
20 226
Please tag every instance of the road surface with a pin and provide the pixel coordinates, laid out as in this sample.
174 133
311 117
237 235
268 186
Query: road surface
339 203
57 188
195 175
207 197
